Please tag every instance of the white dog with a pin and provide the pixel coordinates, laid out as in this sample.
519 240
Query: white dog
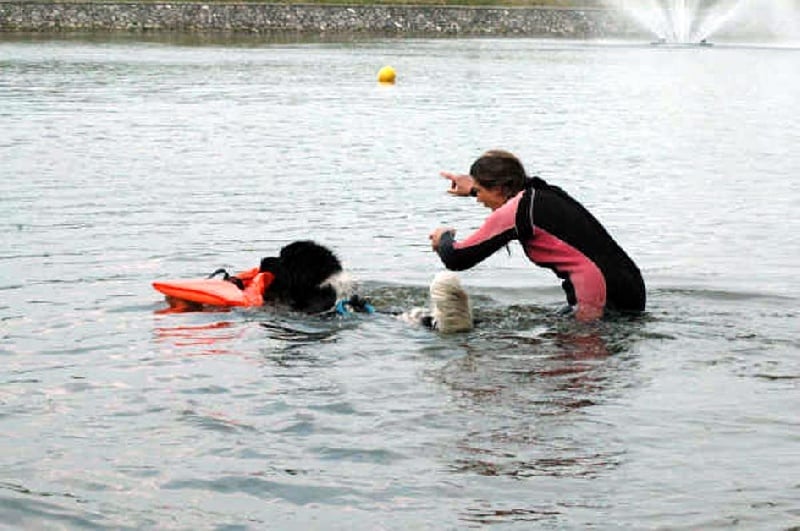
450 309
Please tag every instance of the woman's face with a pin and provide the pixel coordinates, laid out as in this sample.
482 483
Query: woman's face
492 198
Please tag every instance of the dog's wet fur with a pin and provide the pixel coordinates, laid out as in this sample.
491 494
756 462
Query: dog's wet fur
308 277
450 307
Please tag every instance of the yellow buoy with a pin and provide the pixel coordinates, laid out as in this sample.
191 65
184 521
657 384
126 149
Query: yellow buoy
386 74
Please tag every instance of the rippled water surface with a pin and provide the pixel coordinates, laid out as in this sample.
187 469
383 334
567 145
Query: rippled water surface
127 161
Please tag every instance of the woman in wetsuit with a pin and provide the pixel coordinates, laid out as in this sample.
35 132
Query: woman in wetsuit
555 231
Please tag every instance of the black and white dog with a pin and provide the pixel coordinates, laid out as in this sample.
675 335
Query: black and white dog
308 277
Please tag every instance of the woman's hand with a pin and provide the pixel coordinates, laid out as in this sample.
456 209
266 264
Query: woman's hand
460 185
436 236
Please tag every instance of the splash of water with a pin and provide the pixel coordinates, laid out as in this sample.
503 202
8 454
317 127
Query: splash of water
691 21
720 15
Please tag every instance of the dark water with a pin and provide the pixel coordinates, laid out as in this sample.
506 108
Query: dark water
122 162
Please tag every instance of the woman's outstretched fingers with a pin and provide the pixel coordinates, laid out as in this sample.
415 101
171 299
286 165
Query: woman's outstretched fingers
459 184
452 178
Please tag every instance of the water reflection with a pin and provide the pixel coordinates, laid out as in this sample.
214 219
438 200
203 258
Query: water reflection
487 515
525 395
529 388
280 332
205 339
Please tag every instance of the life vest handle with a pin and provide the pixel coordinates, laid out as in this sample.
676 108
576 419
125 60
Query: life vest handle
228 277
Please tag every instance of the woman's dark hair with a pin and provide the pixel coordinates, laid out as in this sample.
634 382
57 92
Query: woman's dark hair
498 168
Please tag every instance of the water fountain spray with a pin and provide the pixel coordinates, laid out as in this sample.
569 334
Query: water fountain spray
681 22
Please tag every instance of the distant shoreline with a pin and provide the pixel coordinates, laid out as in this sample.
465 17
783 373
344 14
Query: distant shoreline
314 19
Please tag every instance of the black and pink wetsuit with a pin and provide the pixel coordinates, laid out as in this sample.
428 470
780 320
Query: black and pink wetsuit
558 233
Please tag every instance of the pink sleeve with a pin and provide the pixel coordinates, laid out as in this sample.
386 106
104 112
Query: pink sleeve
498 222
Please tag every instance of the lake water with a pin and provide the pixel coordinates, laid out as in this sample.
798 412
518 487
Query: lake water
124 161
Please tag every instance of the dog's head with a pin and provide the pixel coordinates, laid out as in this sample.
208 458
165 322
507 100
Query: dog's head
450 304
308 277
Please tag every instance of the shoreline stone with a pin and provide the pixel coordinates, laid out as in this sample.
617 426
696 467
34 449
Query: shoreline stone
262 18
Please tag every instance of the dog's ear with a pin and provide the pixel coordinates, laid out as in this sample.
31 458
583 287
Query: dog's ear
277 288
271 264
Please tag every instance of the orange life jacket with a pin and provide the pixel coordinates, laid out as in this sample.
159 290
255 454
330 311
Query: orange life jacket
216 291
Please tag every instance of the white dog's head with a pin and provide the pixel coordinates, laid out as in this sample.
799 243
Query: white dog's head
450 306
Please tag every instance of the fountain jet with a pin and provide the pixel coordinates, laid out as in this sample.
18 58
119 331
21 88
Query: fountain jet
680 21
